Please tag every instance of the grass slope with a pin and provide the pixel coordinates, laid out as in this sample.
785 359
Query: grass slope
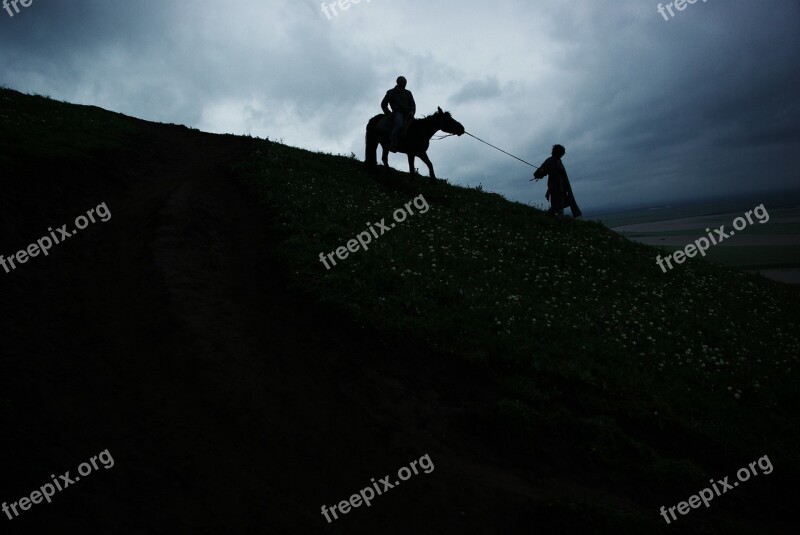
621 389
624 387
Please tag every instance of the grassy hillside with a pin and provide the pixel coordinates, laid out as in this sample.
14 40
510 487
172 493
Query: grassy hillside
609 388
627 386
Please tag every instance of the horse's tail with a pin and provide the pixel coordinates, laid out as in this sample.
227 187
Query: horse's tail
371 141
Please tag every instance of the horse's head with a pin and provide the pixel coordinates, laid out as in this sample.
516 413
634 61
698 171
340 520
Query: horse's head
446 123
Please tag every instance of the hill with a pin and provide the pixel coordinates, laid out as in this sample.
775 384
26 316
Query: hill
558 381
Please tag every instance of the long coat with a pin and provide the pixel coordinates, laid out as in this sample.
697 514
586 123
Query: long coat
558 185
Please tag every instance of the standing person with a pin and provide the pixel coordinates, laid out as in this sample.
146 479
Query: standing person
403 107
559 191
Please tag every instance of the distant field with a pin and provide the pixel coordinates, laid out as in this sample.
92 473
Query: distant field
772 247
774 203
767 229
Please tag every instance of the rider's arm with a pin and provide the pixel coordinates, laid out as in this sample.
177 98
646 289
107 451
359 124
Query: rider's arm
385 104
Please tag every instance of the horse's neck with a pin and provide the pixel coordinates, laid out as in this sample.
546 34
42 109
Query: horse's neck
427 127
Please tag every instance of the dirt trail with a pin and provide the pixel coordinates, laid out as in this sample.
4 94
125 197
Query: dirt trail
168 336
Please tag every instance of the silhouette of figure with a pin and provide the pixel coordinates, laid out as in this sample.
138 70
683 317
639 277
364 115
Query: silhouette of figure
559 190
403 107
416 141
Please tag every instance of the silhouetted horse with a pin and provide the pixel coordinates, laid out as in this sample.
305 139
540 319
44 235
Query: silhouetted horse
414 143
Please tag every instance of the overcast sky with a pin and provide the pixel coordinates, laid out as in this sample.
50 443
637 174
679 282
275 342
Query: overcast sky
650 110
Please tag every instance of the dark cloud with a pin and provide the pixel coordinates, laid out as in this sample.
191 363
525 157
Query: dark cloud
477 90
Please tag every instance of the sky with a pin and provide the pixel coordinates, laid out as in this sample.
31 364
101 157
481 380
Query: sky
652 109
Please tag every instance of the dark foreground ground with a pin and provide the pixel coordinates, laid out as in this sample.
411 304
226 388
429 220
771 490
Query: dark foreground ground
166 336
230 404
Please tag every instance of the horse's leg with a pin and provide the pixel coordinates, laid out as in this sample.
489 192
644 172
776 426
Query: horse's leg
371 152
424 158
411 158
385 156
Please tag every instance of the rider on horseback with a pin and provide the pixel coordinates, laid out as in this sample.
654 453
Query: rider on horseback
403 107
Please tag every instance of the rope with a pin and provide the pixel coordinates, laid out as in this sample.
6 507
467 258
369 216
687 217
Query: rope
501 150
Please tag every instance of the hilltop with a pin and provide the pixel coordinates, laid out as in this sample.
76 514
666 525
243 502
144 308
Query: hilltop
559 381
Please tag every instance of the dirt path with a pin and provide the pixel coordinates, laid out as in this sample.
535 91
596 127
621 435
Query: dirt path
168 337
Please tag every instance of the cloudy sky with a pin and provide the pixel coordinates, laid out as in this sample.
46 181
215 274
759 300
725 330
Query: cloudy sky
650 110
